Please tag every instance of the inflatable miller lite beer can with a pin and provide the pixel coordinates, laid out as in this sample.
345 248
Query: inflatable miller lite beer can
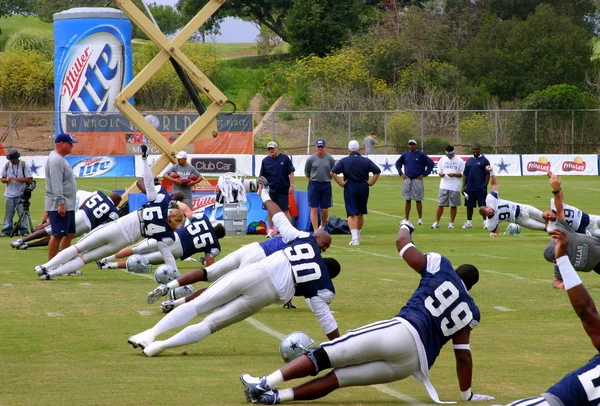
92 61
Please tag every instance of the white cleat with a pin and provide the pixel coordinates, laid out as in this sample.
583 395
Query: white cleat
450 225
467 225
420 222
435 225
16 243
153 349
354 242
142 339
40 270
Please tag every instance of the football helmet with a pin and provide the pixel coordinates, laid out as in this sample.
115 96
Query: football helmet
295 345
513 229
165 274
181 291
138 264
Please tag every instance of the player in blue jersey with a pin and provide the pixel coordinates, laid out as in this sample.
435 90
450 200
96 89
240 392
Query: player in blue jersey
152 220
298 270
197 236
248 254
582 386
95 210
440 309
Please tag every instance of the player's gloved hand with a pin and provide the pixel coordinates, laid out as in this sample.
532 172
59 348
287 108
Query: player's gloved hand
407 223
203 260
167 306
159 291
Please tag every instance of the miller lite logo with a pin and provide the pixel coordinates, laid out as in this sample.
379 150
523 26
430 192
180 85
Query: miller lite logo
576 165
542 165
199 203
93 167
92 72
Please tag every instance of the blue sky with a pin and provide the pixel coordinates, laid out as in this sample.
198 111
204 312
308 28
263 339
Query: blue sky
232 29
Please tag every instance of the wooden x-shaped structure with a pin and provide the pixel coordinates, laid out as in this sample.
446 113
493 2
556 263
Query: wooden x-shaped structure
204 126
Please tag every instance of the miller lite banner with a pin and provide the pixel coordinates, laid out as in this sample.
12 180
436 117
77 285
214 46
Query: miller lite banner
102 166
560 164
92 64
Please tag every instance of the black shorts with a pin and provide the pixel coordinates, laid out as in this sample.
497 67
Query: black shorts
282 200
476 199
62 225
319 194
356 196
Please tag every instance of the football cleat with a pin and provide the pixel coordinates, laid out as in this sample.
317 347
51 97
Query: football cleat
435 225
40 270
153 349
450 225
254 387
159 291
167 306
23 246
354 242
144 149
101 263
407 223
289 305
45 276
143 339
16 243
467 225
420 222
268 398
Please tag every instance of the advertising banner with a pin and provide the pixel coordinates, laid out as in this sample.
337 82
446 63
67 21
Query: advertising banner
539 164
208 165
102 166
92 64
115 135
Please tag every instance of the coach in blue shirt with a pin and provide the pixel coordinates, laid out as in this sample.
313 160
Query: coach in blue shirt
279 171
475 181
417 165
356 169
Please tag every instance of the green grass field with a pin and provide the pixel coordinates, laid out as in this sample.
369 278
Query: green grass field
64 342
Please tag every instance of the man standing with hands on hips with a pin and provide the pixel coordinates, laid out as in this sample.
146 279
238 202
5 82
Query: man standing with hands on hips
317 170
475 182
416 165
356 169
450 169
279 171
61 194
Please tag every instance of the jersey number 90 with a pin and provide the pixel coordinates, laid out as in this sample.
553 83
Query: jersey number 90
300 256
444 302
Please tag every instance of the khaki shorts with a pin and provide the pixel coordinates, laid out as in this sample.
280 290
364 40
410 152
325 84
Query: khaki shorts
449 198
413 189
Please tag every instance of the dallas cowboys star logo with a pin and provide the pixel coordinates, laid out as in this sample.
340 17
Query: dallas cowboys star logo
34 168
502 166
294 346
386 166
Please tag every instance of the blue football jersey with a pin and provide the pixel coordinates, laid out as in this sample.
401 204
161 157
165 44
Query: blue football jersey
153 216
272 245
98 208
440 306
198 236
308 267
580 387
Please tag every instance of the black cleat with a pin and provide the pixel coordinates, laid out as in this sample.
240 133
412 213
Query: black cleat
144 149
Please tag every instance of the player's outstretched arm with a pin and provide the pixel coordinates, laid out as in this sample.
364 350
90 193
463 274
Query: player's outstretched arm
580 298
556 184
492 176
464 366
407 250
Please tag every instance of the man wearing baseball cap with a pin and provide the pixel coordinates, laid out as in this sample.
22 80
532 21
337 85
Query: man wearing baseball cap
16 175
416 165
356 169
317 170
61 194
279 171
180 174
450 169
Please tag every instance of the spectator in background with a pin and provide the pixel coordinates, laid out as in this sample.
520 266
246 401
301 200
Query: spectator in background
416 165
279 171
184 181
16 175
369 144
450 169
61 195
475 182
317 170
356 170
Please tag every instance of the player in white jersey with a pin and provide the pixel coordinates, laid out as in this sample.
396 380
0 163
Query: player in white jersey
497 210
299 269
580 221
152 220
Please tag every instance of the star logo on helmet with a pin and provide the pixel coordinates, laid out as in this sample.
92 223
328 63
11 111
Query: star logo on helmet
294 346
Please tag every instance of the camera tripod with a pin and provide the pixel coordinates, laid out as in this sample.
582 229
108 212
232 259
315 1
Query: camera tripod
25 204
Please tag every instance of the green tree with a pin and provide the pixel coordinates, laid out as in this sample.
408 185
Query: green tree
15 7
511 59
168 19
45 9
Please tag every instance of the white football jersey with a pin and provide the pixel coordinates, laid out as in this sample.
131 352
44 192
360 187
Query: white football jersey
504 210
572 214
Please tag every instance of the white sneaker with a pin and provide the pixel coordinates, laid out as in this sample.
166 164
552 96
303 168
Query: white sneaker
142 339
354 242
16 243
420 222
153 349
467 225
435 225
450 225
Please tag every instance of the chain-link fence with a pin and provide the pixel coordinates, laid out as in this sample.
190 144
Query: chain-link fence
496 131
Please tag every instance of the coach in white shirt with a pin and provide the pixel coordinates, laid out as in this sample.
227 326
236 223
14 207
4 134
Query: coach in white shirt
450 169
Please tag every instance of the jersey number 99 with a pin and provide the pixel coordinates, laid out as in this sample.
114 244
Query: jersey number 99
446 296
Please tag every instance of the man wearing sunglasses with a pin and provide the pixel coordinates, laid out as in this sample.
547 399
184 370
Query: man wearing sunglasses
279 171
317 170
